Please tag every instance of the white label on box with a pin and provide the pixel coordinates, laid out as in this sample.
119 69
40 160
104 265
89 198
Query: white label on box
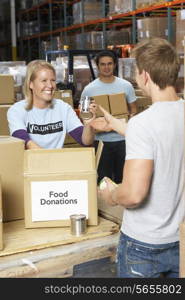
57 200
141 34
147 33
139 24
182 14
66 95
166 32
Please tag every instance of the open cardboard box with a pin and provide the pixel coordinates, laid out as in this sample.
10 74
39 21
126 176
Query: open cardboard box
57 184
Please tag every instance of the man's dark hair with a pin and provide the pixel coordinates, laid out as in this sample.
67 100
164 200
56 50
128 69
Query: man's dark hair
104 53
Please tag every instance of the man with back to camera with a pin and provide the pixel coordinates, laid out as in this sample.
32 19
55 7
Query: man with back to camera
152 188
113 154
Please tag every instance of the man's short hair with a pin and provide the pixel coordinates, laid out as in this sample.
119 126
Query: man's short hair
159 58
104 53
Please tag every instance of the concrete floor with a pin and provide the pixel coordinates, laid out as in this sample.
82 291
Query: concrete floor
103 268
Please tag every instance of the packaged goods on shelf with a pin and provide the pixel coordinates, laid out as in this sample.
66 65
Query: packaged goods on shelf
4 129
57 184
127 69
180 31
119 37
87 40
92 10
26 4
143 3
154 27
11 170
119 6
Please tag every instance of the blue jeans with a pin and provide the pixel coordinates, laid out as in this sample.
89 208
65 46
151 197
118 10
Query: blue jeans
143 260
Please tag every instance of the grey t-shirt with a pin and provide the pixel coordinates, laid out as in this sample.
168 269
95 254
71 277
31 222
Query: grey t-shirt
158 134
119 85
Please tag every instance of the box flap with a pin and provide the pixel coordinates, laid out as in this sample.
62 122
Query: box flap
59 160
6 139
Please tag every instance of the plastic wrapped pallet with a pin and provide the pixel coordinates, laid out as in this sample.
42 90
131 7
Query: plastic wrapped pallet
127 69
119 6
92 10
153 27
119 37
180 30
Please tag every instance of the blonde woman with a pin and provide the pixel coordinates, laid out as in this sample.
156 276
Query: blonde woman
42 121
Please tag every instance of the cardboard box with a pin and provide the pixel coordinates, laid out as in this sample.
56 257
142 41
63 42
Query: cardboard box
112 213
11 171
69 140
182 250
4 129
118 104
143 103
139 92
102 100
6 89
1 220
124 116
57 184
65 95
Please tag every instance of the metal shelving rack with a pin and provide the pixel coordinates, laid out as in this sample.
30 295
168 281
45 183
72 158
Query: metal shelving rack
30 42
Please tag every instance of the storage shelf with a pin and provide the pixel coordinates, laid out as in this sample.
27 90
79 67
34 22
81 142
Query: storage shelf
48 8
122 18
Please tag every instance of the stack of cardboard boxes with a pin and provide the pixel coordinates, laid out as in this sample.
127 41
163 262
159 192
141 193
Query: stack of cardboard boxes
115 104
7 98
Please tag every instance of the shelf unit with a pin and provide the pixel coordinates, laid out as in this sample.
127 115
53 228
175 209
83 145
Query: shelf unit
54 18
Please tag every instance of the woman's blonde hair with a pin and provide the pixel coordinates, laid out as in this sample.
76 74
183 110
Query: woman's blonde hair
32 68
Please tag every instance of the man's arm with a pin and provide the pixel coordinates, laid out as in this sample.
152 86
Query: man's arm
135 186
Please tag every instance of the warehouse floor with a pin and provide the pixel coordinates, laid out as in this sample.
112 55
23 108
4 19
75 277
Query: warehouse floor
103 268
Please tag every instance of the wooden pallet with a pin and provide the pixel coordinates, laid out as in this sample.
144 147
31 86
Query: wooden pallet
53 252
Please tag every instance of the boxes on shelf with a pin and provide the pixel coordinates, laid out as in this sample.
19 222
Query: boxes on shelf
86 11
180 31
4 129
127 69
57 184
11 171
154 27
119 6
143 102
65 95
6 89
1 219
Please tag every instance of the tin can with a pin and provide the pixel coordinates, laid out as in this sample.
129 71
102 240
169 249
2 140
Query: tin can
78 224
84 108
